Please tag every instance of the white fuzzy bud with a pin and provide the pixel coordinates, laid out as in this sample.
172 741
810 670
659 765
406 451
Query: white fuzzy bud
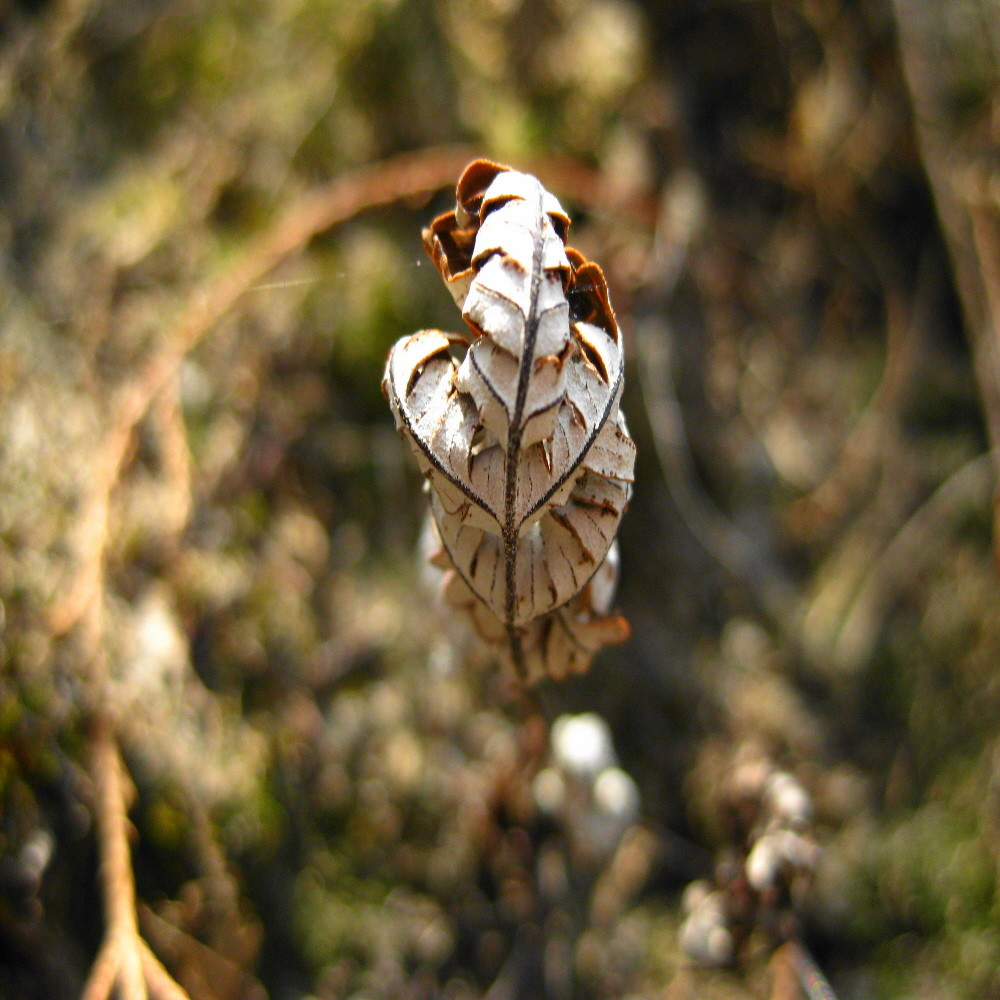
789 802
704 936
777 852
582 744
616 795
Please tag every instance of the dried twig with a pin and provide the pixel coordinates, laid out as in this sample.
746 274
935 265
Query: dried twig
957 152
911 548
403 177
124 959
175 458
162 985
875 434
809 975
219 975
784 981
125 962
720 538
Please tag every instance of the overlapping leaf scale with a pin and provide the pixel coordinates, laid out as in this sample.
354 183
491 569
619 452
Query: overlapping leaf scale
555 645
557 555
440 424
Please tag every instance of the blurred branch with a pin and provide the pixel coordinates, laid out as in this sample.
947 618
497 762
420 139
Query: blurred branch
571 179
221 976
950 59
796 976
124 960
720 538
913 546
784 981
875 435
405 176
740 555
175 457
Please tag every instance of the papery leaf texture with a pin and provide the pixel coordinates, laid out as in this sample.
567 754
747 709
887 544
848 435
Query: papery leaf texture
516 425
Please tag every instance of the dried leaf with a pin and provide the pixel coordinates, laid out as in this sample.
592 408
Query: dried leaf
516 423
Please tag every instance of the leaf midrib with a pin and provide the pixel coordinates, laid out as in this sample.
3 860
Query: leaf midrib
515 429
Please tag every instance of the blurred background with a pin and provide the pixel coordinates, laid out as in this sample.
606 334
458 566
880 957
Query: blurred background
210 232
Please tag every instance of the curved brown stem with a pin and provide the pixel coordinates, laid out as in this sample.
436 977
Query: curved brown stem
405 176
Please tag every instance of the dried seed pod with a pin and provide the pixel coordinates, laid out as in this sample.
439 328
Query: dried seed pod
516 425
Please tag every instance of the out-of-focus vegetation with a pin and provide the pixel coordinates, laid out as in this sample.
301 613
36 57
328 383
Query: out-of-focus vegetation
208 524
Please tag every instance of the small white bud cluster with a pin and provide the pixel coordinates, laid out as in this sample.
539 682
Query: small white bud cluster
783 851
595 800
705 935
777 855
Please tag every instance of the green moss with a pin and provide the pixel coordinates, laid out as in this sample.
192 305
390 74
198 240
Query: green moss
166 823
336 913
